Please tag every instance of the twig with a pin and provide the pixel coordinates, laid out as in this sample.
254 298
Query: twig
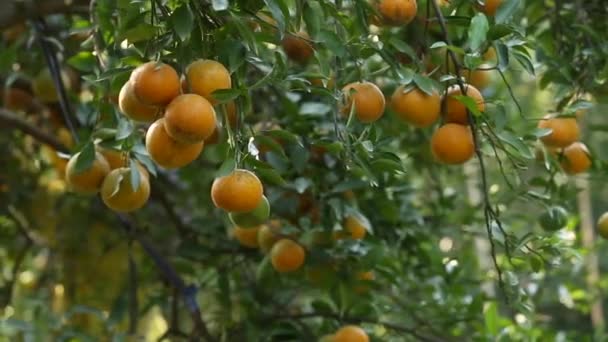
188 293
20 257
55 70
511 93
98 41
489 213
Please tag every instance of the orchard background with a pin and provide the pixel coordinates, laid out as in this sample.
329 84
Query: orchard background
398 208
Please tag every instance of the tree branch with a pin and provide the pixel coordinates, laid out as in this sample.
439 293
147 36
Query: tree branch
13 120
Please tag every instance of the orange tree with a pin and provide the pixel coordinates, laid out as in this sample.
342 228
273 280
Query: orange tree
276 170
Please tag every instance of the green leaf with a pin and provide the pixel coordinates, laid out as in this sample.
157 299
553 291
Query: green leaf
490 314
517 143
478 31
83 61
227 95
85 158
219 5
271 176
135 175
469 102
333 42
182 21
502 54
227 166
313 16
525 61
424 83
280 13
506 10
403 47
141 32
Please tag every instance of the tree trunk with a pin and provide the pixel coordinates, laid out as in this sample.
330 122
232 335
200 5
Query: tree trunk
588 239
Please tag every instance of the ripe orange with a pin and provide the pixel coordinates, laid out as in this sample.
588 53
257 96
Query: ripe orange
576 158
398 12
353 228
416 107
133 108
364 278
368 99
166 151
16 99
247 237
287 256
490 7
88 181
268 235
240 191
115 159
456 111
190 119
351 333
117 192
565 131
155 83
297 47
206 76
479 78
453 144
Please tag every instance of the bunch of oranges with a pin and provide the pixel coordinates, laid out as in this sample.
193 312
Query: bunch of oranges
110 175
563 142
182 112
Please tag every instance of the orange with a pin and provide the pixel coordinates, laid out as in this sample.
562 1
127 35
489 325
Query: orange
565 131
115 159
355 228
287 256
268 235
240 191
576 158
351 333
166 151
16 99
456 111
416 107
453 144
155 83
368 99
88 181
479 78
298 47
364 278
206 76
117 192
490 7
398 12
490 55
247 237
190 119
130 106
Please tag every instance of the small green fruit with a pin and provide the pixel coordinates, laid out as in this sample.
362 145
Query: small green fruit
554 218
252 218
602 225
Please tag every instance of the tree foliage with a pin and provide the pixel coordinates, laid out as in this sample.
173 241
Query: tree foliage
395 242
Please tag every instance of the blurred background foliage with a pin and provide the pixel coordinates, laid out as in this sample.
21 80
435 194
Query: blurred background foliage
70 271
